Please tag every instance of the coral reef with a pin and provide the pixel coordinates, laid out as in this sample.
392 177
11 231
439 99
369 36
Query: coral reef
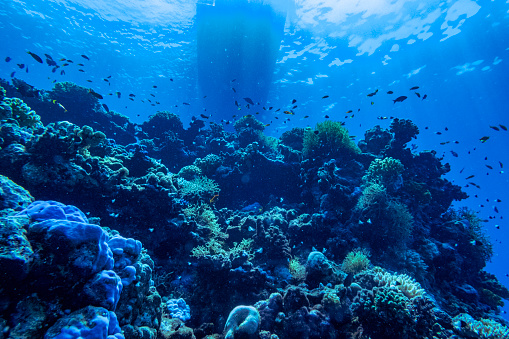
325 239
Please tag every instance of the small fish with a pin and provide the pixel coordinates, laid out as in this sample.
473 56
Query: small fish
21 66
54 69
454 154
119 94
234 91
390 92
26 69
470 177
8 59
503 127
249 101
81 65
234 80
266 125
294 107
95 94
185 103
501 164
277 110
414 88
85 57
171 79
374 93
424 96
288 112
270 108
62 59
418 95
69 60
66 64
204 116
325 97
382 118
372 103
132 95
400 99
154 86
80 70
326 117
89 81
306 116
294 101
484 139
106 107
495 128
348 112
152 95
495 209
35 56
474 184
490 167
61 106
62 72
131 99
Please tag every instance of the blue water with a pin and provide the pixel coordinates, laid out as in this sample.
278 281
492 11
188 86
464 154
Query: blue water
457 52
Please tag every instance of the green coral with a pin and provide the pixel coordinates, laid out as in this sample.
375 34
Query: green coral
329 138
356 261
386 172
248 122
198 188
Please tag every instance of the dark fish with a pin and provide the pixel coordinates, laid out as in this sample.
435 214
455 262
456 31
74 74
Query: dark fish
204 116
8 59
294 101
54 69
84 56
503 127
495 128
236 103
390 92
50 62
490 167
454 154
233 89
132 95
424 96
484 139
470 177
418 95
326 117
106 107
80 70
400 99
249 101
495 209
154 86
288 112
95 94
474 184
62 72
35 56
501 164
294 107
21 66
69 60
66 64
234 80
62 59
131 99
270 108
81 65
348 280
414 88
374 93
185 103
48 56
26 69
89 81
152 95
119 94
277 110
171 79
325 97
108 77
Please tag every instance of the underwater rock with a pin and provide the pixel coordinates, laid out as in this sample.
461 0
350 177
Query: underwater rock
242 320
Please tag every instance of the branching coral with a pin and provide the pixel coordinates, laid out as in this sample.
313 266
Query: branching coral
402 282
483 328
329 138
356 261
386 172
